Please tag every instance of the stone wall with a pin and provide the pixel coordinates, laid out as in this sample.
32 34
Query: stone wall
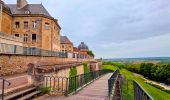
14 64
6 23
0 14
65 72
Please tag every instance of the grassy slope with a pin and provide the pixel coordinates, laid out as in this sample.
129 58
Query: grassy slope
154 92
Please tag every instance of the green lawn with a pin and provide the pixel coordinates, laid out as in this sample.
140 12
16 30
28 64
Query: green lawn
154 92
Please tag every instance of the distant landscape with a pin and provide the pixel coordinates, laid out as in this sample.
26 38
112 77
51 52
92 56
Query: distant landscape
152 73
161 60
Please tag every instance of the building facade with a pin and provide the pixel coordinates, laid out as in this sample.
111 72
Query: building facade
33 23
83 50
66 44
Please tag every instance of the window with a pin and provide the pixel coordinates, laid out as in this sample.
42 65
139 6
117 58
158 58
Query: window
62 46
33 24
47 25
25 37
27 12
34 37
17 24
25 24
17 35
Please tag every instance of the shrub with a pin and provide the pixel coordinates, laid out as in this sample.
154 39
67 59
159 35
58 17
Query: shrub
43 89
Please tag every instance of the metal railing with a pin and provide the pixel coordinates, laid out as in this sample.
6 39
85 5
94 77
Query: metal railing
111 83
3 86
56 84
31 51
15 49
77 82
69 85
140 93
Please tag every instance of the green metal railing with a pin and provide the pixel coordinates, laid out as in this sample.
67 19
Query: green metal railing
69 85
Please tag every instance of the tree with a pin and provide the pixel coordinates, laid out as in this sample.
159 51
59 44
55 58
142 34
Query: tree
145 69
91 53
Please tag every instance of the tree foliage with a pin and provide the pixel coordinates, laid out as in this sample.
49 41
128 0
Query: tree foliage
90 52
157 72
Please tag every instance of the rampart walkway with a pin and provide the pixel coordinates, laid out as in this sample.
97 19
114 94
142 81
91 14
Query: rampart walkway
98 90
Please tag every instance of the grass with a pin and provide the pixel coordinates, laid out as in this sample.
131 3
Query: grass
156 93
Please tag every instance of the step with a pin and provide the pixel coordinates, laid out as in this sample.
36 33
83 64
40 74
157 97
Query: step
28 96
19 93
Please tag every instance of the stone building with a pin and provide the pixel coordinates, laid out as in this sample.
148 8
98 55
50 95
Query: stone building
66 44
75 52
83 50
32 22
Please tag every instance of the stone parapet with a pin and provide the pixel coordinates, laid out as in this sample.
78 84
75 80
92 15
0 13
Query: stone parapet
10 39
15 64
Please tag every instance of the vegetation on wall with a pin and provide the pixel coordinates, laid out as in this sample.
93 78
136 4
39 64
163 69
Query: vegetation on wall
73 72
86 71
72 80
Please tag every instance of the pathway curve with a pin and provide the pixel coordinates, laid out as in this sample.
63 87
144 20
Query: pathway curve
98 90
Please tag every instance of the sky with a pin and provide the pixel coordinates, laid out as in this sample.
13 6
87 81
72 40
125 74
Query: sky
114 28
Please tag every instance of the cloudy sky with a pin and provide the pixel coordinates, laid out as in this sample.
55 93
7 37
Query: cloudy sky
114 28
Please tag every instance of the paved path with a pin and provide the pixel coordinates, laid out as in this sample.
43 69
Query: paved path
98 90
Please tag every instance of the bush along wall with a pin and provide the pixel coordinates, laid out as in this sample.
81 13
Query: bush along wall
86 71
73 79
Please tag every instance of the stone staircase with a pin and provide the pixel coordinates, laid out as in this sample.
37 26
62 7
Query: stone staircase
25 94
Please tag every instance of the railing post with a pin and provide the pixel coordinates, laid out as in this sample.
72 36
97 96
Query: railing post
3 86
67 84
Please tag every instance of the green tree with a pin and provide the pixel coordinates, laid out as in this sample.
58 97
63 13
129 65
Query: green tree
91 53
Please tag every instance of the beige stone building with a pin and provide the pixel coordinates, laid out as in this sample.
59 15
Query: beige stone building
66 44
32 22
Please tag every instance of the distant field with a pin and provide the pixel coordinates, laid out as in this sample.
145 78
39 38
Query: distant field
154 92
139 60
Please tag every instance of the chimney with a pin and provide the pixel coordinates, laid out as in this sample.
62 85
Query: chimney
21 4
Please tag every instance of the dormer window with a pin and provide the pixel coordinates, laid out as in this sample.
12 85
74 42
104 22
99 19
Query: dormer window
27 12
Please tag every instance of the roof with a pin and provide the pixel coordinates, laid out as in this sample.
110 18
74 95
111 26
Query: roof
32 8
65 40
83 46
75 49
